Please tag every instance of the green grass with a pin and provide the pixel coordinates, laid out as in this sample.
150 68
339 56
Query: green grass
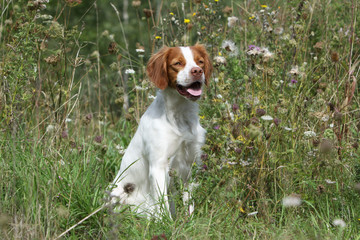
66 114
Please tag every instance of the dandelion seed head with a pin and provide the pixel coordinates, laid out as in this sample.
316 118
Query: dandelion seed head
267 118
339 223
291 201
129 71
232 21
310 134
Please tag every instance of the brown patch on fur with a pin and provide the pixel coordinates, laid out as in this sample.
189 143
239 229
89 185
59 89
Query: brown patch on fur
200 54
174 58
157 68
129 188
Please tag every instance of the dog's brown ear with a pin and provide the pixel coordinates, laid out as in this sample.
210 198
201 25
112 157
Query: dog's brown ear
208 67
157 68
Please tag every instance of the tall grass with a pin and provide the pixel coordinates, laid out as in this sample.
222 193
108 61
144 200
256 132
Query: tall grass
281 159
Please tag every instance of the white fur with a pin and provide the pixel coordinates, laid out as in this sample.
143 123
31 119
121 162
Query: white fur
169 137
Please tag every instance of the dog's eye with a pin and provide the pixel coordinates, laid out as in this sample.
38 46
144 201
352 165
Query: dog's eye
177 63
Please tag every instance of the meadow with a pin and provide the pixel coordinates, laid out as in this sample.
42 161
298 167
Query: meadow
281 159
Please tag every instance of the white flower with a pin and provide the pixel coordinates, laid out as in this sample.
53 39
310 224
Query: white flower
331 125
288 129
339 222
50 128
294 70
151 97
253 213
310 134
140 50
266 54
328 181
232 21
219 60
120 149
219 96
129 71
140 88
216 80
232 163
325 118
230 47
279 30
291 201
267 118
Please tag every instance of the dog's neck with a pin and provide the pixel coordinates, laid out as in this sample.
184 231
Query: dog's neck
179 111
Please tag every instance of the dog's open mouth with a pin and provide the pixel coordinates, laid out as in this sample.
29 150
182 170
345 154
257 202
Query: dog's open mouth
192 91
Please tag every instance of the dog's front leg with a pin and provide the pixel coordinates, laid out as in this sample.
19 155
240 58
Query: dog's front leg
158 176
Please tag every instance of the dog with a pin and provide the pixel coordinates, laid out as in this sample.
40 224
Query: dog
169 136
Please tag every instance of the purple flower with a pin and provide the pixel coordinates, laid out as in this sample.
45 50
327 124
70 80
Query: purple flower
235 107
217 127
293 81
253 47
98 139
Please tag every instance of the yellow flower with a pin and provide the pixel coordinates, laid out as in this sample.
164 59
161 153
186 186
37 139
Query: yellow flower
201 117
242 210
172 14
186 20
252 17
157 37
220 54
263 6
216 0
194 13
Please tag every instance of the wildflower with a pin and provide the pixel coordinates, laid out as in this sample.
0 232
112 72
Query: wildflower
287 129
232 21
129 71
151 97
217 127
50 128
140 50
266 54
230 47
194 14
291 201
267 118
120 149
186 20
158 37
148 12
251 17
263 6
328 181
220 60
219 96
136 3
293 81
172 14
98 139
277 121
253 213
339 223
260 112
253 50
310 134
294 70
279 30
68 120
64 134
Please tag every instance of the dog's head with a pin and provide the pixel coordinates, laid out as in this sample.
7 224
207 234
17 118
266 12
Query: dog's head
185 69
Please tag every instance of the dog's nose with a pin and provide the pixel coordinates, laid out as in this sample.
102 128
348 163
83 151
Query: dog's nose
196 72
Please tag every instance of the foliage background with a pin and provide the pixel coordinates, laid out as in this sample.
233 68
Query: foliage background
282 116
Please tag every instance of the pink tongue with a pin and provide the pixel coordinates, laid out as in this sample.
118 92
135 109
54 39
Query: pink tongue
194 92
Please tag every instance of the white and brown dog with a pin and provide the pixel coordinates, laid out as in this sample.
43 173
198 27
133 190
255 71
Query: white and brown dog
169 136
